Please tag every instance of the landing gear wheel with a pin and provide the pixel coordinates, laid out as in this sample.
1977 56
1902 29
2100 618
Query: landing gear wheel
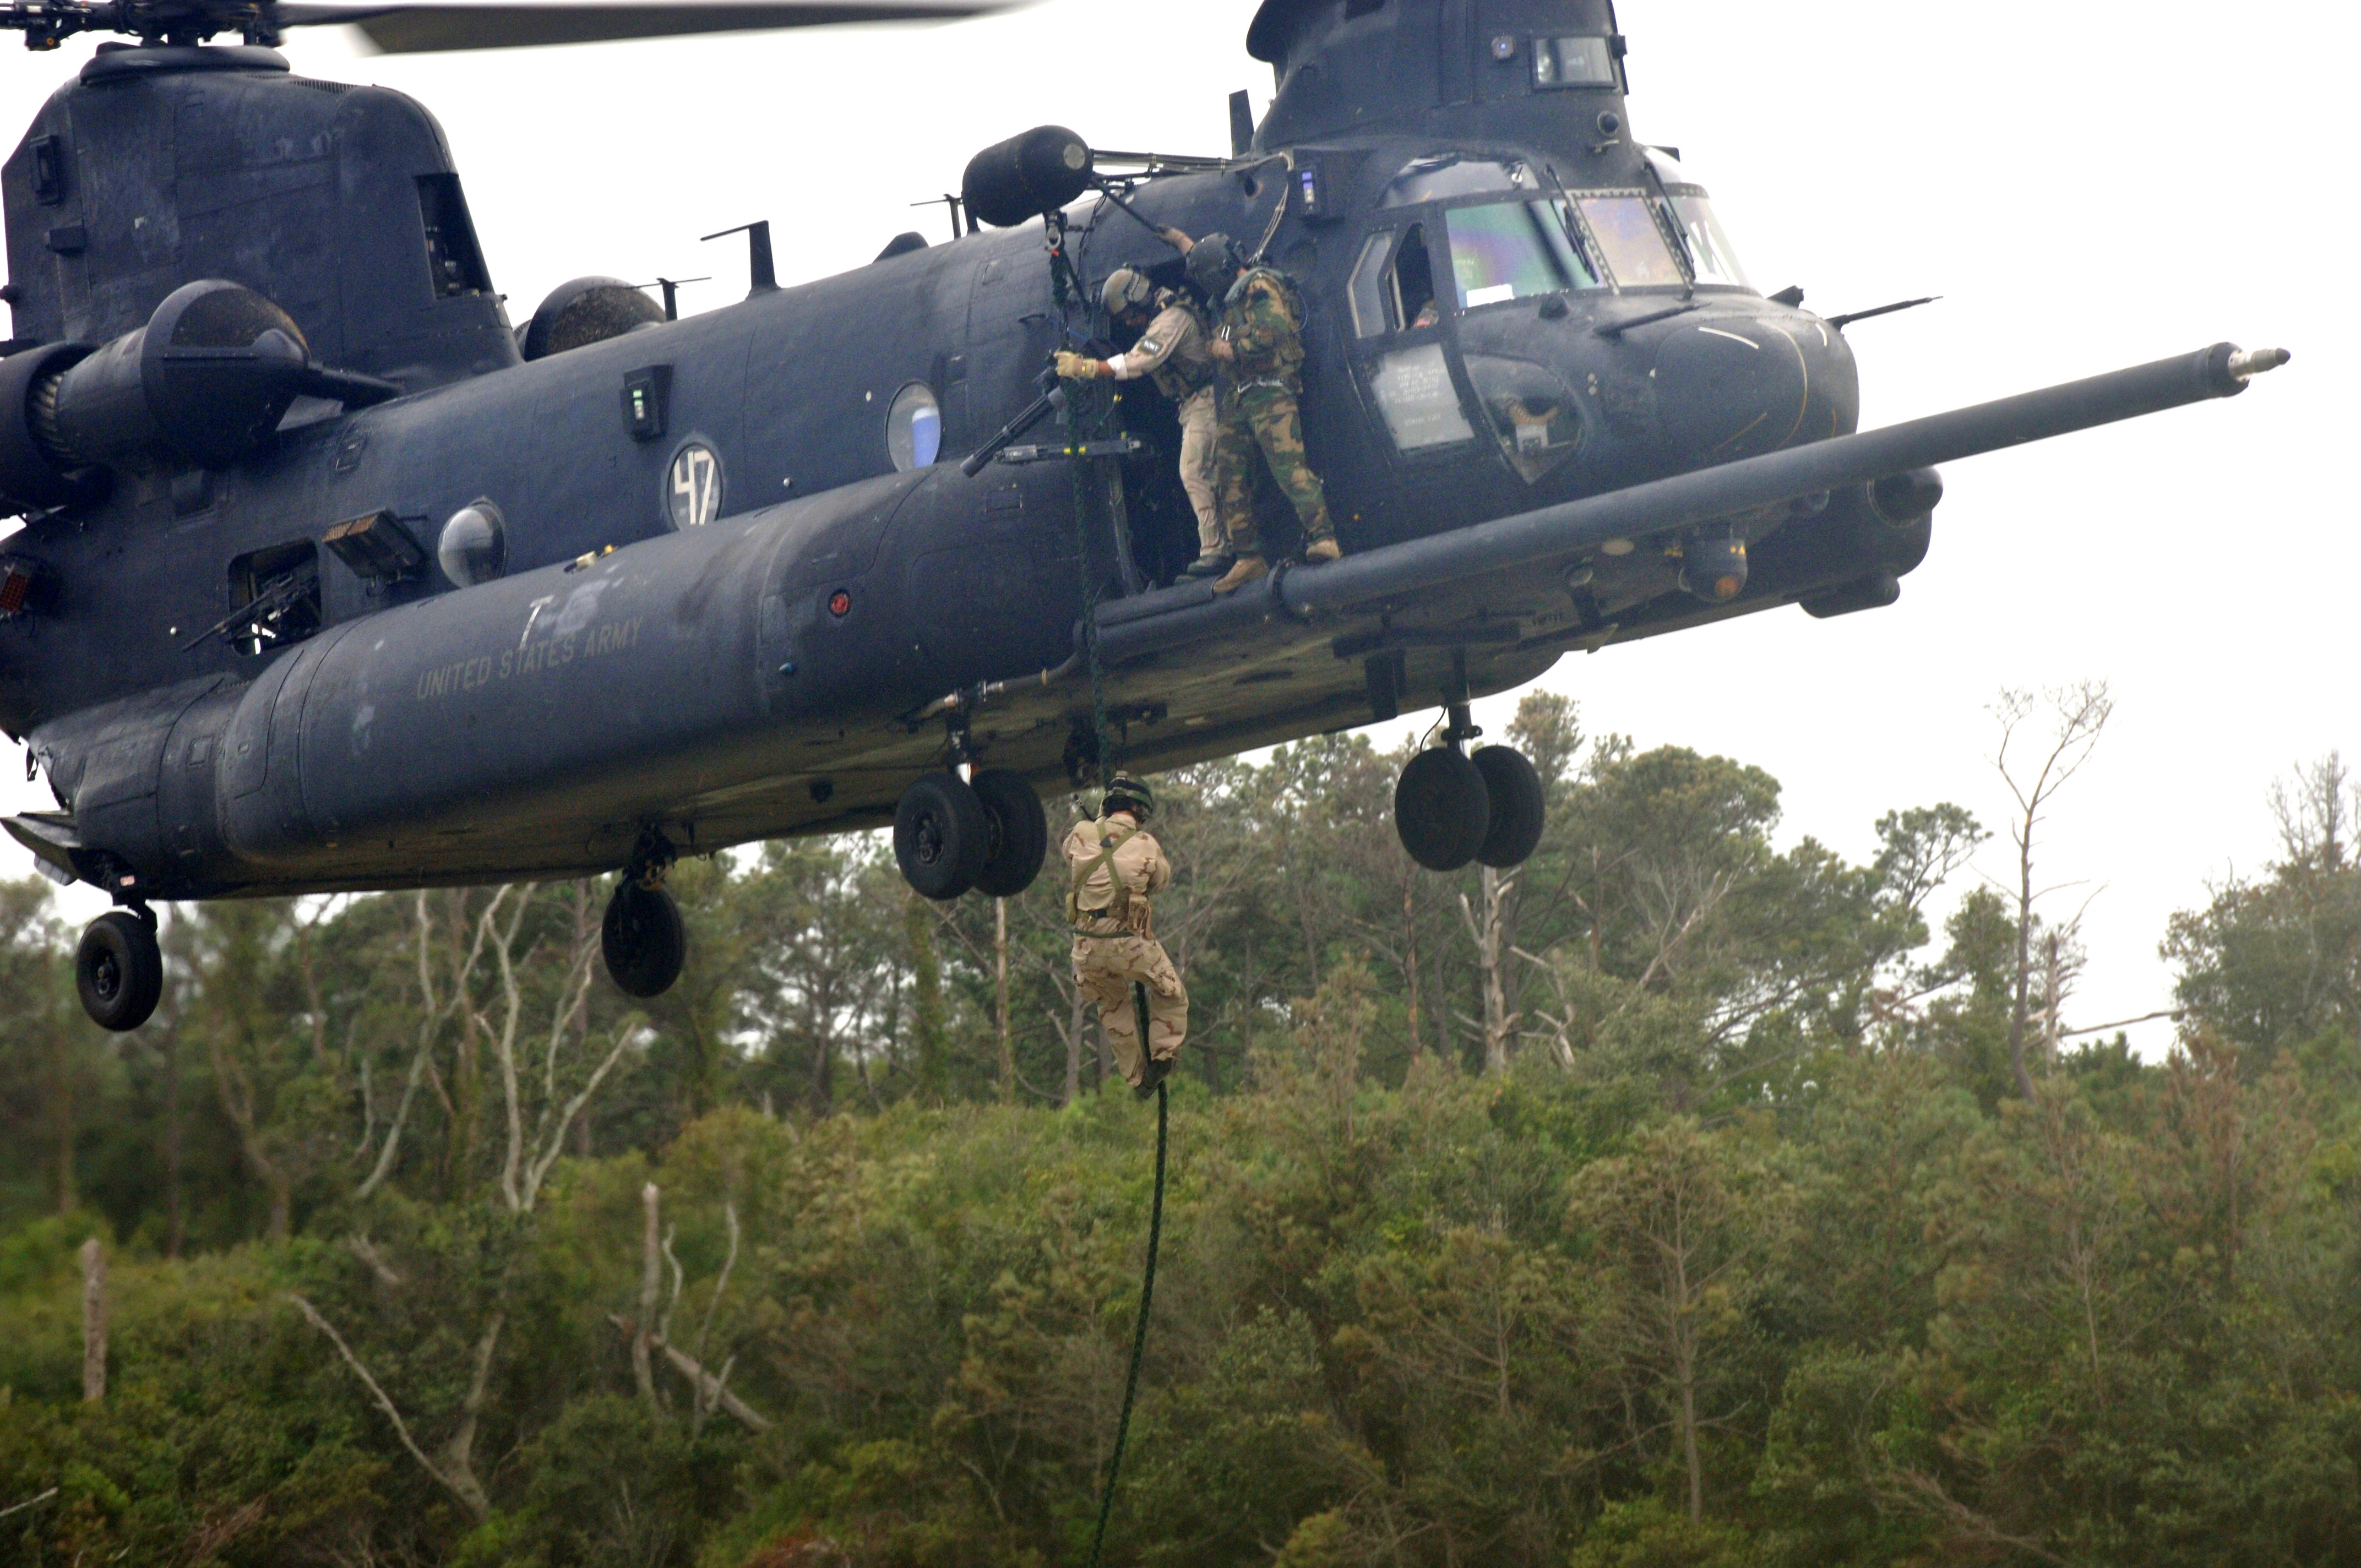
643 939
941 837
1512 787
1019 832
1440 809
119 970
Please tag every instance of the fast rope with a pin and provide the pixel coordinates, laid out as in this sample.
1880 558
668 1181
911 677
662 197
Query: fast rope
1077 432
1146 1299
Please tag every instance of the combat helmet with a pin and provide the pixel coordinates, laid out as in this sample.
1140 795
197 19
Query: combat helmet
1213 264
1126 288
1126 792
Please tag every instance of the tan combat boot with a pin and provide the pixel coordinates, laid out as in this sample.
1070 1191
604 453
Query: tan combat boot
1321 549
1245 570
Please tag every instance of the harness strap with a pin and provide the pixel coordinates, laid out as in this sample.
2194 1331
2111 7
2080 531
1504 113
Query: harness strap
1119 908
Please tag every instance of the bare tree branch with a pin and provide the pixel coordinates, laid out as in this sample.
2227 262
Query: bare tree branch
472 1494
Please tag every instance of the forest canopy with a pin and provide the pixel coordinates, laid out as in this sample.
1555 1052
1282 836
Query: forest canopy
1676 1199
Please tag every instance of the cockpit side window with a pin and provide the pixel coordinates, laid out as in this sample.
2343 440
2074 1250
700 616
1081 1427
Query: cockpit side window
1413 282
1370 293
1711 254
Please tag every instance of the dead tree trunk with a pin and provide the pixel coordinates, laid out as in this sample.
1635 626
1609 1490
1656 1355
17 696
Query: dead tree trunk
94 1321
1486 932
651 1282
1000 1000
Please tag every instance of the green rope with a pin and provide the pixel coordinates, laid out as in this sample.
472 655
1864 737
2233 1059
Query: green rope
1070 419
1139 1330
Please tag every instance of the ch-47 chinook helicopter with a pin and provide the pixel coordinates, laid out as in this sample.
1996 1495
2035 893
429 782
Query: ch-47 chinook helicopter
330 579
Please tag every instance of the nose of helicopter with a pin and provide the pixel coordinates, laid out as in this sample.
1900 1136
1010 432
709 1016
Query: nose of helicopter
1740 378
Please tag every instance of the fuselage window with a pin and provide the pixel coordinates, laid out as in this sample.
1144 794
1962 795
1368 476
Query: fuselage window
1572 62
1514 250
914 427
473 548
280 588
1630 241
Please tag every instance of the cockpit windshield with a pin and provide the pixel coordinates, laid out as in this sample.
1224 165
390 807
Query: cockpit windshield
1514 250
1633 244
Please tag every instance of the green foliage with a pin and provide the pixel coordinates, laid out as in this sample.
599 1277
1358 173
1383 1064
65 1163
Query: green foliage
1669 1202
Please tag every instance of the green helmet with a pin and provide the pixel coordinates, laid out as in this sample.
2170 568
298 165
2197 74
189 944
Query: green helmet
1126 289
1125 793
1213 265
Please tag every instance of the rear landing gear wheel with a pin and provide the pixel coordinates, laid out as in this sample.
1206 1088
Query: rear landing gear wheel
942 837
1512 787
1441 810
1018 831
119 970
643 939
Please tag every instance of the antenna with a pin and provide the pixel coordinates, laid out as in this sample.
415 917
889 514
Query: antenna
758 255
1242 127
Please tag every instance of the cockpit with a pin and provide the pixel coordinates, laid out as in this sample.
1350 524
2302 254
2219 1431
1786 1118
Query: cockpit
1456 239
1514 234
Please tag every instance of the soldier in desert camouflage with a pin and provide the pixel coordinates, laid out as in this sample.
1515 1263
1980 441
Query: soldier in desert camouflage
1171 350
1116 867
1258 344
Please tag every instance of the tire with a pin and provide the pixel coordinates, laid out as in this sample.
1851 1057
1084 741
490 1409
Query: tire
941 837
1512 792
118 970
643 939
1441 810
1019 833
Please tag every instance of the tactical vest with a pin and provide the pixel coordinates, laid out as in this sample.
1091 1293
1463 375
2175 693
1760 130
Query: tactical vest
1180 382
1125 909
1284 361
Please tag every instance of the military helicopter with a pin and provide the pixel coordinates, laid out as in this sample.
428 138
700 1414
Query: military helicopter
333 578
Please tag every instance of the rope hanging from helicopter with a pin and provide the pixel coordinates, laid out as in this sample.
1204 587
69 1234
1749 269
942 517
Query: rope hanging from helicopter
1080 427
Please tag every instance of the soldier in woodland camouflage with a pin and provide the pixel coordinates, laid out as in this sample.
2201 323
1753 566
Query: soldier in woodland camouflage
1116 868
1258 344
1172 351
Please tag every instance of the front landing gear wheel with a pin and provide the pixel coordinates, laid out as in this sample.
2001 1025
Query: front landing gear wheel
119 970
1440 809
1512 787
1019 832
941 837
643 939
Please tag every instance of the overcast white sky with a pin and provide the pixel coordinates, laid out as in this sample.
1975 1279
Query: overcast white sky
2088 185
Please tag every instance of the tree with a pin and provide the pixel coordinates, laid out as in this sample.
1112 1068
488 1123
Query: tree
1684 1223
2071 720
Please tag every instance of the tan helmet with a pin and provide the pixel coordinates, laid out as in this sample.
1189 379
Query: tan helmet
1126 288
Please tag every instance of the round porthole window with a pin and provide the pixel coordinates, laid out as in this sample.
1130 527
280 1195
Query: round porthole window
473 548
914 427
693 486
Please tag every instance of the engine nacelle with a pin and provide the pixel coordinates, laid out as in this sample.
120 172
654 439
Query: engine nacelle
205 382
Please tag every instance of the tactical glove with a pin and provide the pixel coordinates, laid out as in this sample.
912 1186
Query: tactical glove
1078 367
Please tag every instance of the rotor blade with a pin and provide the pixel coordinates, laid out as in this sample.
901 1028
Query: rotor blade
464 24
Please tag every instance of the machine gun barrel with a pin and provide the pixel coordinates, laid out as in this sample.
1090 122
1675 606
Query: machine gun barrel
1052 396
1685 501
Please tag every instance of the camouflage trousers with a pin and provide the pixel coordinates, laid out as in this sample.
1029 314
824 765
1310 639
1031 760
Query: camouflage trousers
1104 968
1200 426
1264 418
